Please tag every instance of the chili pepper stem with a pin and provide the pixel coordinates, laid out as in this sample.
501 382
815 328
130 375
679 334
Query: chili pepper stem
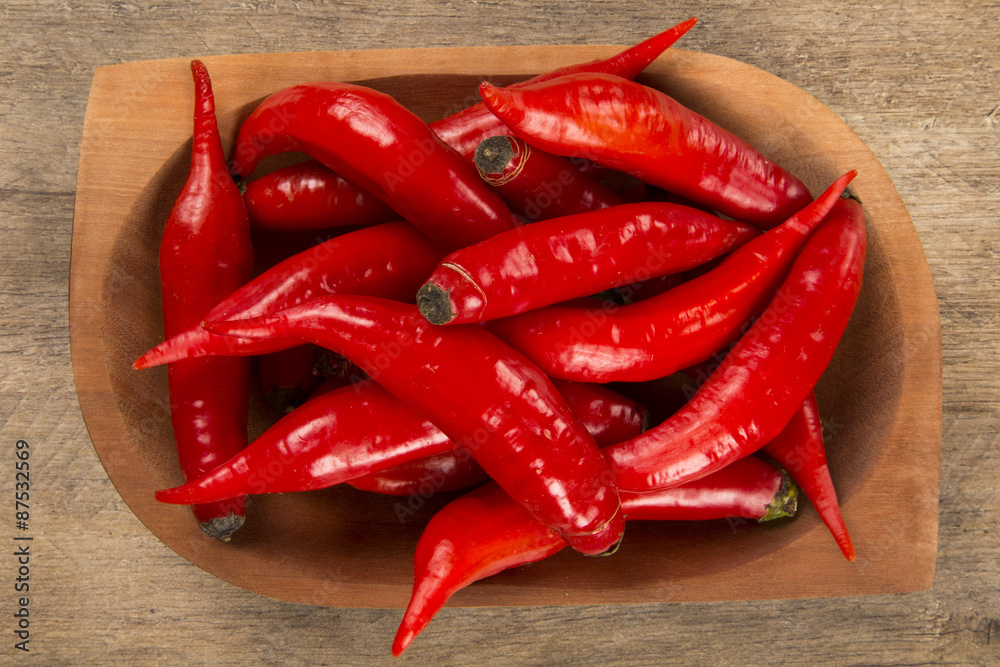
434 304
223 527
786 501
493 155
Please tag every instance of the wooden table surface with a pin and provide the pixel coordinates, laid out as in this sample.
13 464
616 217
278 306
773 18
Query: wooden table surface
919 83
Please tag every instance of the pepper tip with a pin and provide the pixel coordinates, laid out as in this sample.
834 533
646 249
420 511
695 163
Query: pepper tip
402 641
492 95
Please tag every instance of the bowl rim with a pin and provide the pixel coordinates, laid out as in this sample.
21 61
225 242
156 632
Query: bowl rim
904 478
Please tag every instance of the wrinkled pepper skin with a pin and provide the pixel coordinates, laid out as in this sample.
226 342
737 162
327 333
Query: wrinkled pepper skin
671 331
484 532
370 139
572 256
640 131
308 196
464 130
485 396
766 376
354 431
389 260
205 253
800 450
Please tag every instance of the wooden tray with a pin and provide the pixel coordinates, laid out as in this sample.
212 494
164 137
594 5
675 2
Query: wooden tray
881 397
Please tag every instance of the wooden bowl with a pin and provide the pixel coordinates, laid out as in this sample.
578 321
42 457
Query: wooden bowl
880 399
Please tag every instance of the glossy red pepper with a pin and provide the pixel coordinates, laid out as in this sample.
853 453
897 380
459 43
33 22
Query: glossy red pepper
389 260
484 532
481 393
349 432
799 449
372 140
465 130
669 332
537 185
559 259
608 416
205 253
768 373
614 122
307 196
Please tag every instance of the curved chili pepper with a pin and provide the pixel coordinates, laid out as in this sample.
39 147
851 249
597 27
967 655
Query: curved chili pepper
799 449
607 415
666 333
205 253
465 130
484 532
346 432
614 122
559 259
481 393
308 195
372 140
389 260
334 437
537 185
763 380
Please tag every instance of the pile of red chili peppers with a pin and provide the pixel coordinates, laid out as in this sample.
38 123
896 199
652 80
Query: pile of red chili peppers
499 290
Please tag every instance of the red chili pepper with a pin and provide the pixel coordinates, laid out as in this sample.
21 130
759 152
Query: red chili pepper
306 196
484 532
608 416
799 449
664 334
482 394
464 130
205 253
347 432
389 260
559 259
332 438
372 140
763 380
537 185
614 122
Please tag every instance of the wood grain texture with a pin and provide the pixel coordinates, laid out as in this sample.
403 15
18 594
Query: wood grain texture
917 81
